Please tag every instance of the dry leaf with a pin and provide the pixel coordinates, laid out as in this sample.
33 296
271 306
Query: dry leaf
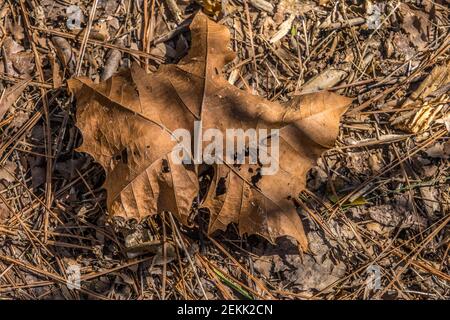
65 53
113 61
296 7
99 31
7 170
128 122
430 198
17 61
10 95
74 17
439 150
420 118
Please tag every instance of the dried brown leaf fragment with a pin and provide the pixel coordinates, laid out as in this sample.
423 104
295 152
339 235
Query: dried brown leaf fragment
10 95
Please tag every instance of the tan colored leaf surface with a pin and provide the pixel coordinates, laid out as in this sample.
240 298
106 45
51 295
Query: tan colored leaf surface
211 7
127 124
10 95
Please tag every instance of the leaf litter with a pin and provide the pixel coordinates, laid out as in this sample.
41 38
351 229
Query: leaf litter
175 97
379 197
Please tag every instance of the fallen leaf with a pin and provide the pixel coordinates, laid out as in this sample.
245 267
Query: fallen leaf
211 7
386 215
113 62
439 150
309 276
401 46
291 7
74 17
374 12
65 53
379 229
99 31
128 122
430 198
10 95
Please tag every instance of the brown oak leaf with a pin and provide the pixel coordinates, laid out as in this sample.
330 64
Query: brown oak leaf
128 124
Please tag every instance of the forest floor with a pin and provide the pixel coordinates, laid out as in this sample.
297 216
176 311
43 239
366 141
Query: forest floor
376 209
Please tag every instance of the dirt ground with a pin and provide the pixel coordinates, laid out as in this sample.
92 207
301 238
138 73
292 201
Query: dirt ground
376 207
